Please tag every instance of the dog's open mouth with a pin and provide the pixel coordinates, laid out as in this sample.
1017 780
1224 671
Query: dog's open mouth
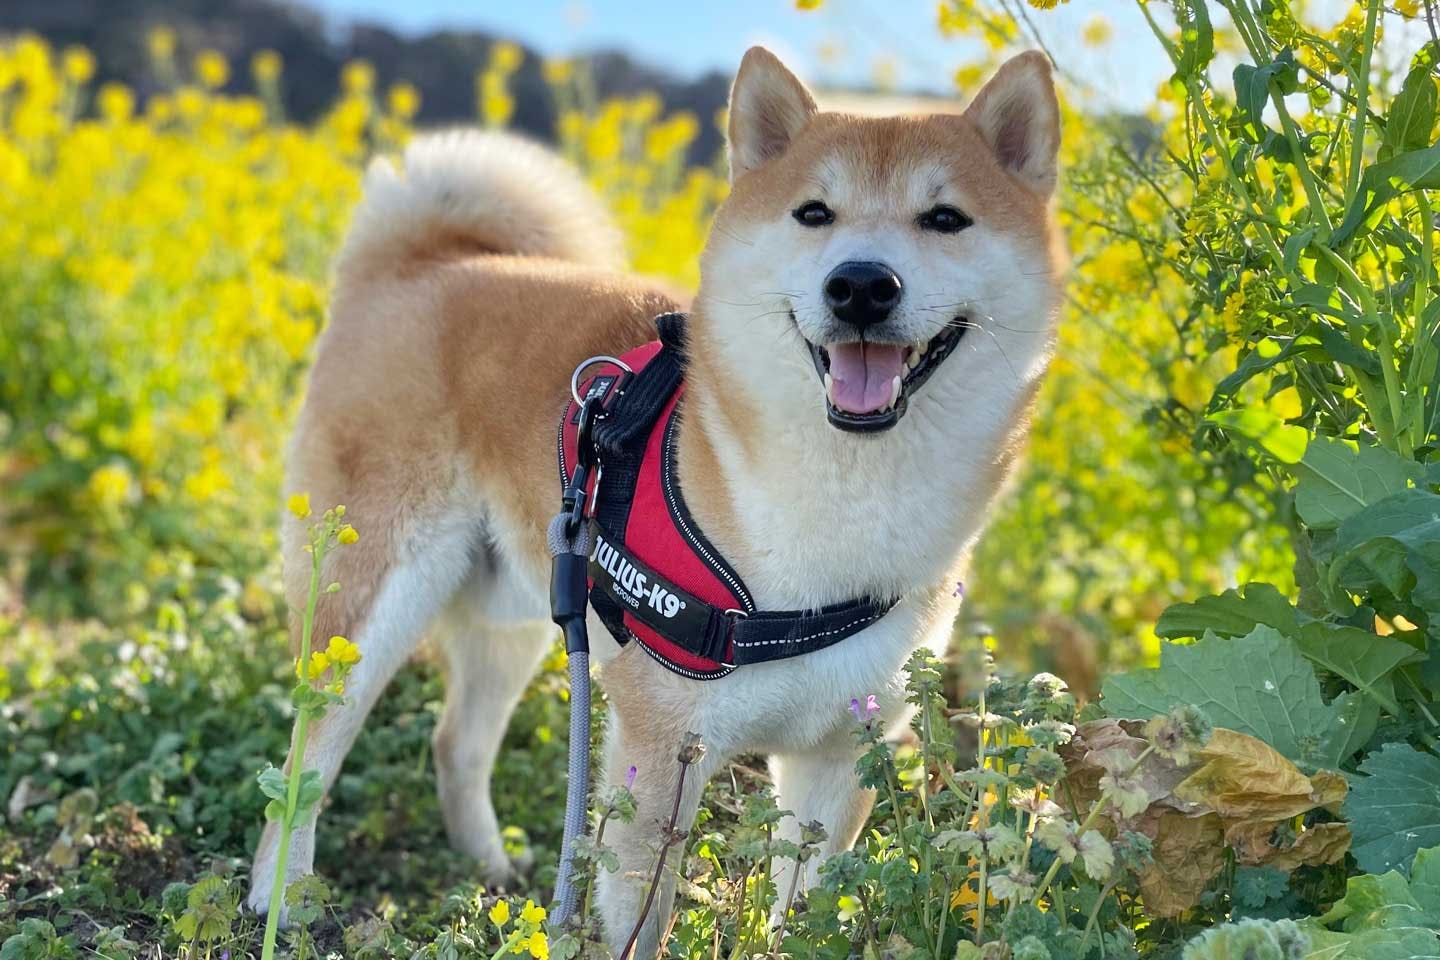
868 385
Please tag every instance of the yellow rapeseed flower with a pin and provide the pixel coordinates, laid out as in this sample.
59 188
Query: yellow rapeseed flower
116 102
532 913
299 505
557 72
357 77
265 66
161 43
110 485
538 945
78 64
403 100
342 651
319 663
1096 32
212 69
348 535
506 56
500 913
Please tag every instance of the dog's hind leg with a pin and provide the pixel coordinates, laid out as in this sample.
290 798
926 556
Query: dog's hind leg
494 635
393 585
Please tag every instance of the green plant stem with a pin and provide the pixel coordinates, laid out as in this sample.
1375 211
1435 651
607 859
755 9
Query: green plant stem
1389 369
789 900
594 867
297 754
1362 101
506 947
1094 915
1420 352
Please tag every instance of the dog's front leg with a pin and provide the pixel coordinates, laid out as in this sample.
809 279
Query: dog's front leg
651 744
819 785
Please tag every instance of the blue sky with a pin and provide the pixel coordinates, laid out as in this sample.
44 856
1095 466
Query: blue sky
692 37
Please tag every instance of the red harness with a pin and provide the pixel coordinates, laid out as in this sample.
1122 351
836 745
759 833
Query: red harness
653 575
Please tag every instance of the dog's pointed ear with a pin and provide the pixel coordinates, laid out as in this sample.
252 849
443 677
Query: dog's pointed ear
1018 116
768 107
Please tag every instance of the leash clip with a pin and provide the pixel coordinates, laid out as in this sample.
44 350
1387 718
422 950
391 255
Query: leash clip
573 503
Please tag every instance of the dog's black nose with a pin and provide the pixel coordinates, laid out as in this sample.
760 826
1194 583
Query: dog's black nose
862 292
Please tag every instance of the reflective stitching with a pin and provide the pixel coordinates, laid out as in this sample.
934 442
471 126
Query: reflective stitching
811 636
667 483
683 671
560 446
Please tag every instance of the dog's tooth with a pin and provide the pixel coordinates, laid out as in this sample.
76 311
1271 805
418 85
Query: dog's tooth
894 390
829 388
912 358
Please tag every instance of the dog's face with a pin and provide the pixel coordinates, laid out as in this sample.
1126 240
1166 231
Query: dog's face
862 266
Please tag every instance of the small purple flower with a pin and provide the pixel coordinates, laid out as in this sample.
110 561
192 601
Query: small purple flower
959 589
630 777
225 955
863 714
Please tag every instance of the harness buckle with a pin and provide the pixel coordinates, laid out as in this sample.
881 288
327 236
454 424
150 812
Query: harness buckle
731 616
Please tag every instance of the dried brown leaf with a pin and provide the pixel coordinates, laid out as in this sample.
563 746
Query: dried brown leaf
1189 851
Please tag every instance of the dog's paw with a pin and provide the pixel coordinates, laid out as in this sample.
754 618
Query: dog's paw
258 900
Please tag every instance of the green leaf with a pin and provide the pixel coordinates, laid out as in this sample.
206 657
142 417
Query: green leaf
1365 659
1283 442
1393 544
1197 37
1425 880
272 782
1375 902
1412 114
1382 182
1407 944
1336 480
1252 89
1233 613
1394 810
1258 684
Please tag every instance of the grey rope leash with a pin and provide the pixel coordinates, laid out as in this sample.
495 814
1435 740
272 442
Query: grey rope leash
568 597
570 540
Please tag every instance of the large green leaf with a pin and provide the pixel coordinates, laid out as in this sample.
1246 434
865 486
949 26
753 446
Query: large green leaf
1394 810
1383 916
1411 943
1382 182
1282 441
1258 684
1233 613
1366 660
1336 480
1394 544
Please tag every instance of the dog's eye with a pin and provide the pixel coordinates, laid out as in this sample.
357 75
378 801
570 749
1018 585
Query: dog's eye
943 218
813 214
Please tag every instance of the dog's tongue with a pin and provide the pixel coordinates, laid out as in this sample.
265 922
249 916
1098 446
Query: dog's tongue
864 374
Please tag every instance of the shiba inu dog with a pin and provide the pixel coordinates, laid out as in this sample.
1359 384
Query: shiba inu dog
875 315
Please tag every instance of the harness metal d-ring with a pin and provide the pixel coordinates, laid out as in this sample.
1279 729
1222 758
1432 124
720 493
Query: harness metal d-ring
602 358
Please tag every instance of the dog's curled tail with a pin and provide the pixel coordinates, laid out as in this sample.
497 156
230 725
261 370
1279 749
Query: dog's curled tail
466 192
